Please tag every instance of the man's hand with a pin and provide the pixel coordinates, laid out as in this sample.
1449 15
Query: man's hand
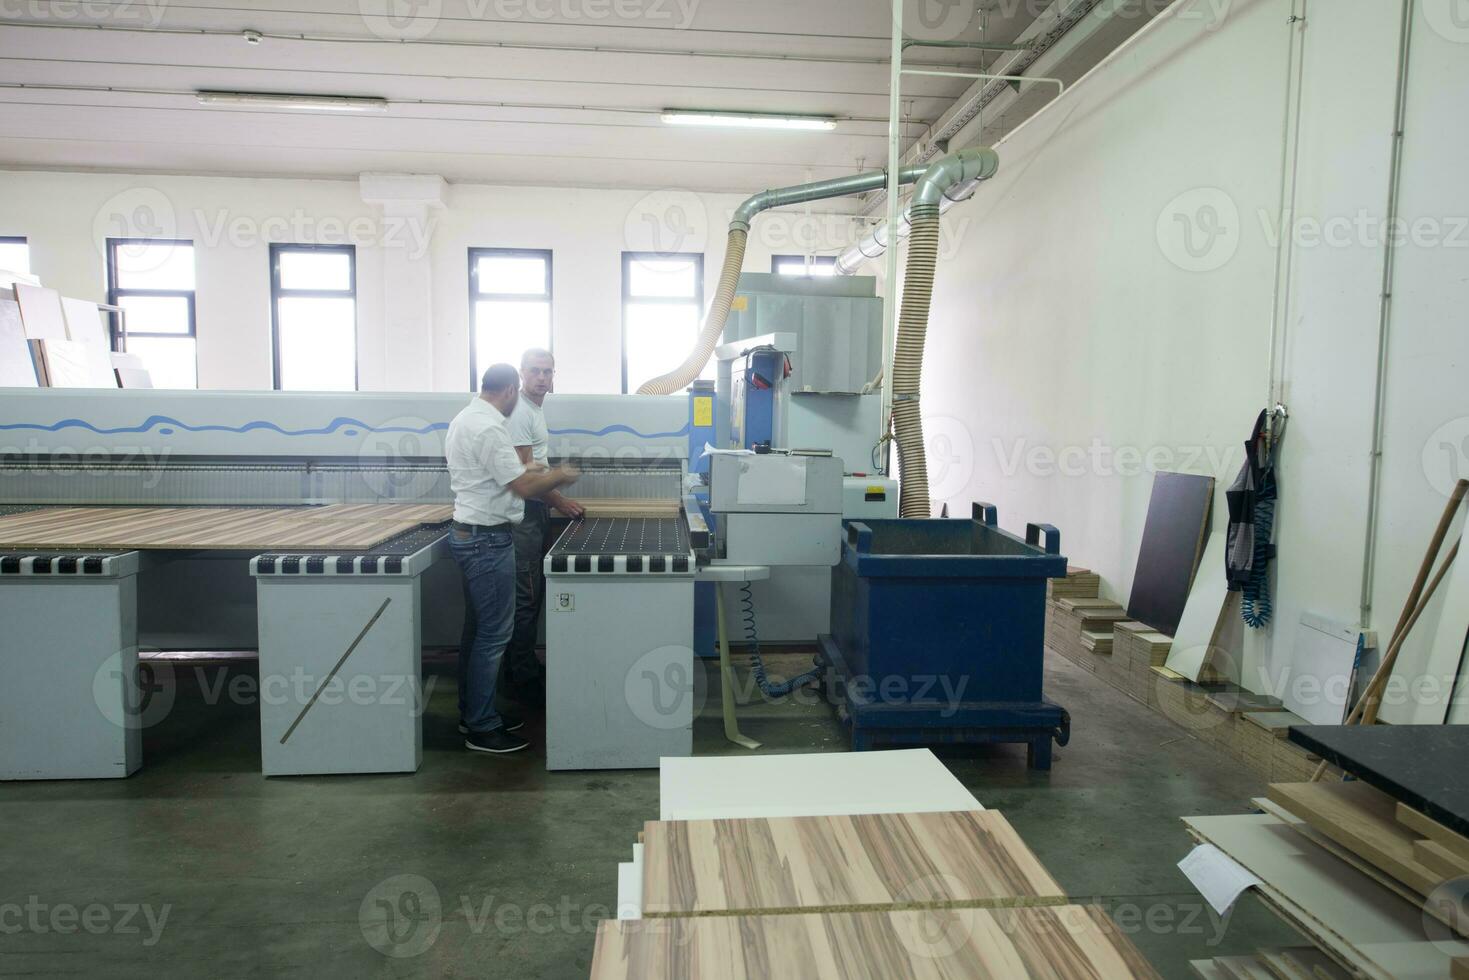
569 507
567 474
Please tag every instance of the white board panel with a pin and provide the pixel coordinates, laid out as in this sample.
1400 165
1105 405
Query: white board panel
1316 686
1190 649
808 785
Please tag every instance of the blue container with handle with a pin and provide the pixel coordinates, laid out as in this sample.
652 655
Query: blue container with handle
938 633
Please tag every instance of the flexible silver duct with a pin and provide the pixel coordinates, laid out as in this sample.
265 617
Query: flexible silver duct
875 242
974 164
734 256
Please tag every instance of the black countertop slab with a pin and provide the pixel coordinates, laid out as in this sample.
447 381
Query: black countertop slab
1424 766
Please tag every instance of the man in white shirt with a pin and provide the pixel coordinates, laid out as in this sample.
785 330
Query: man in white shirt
523 675
490 485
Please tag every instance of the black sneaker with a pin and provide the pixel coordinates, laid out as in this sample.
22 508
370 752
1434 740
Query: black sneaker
511 724
497 742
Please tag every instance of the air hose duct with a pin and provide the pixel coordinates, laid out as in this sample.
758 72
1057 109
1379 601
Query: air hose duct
734 257
975 163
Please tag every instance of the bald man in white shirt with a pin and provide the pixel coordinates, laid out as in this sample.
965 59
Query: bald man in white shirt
490 485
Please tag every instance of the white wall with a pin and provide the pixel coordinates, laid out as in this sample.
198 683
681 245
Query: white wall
1077 344
67 217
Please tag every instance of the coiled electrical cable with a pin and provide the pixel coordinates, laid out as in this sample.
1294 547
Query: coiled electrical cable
769 688
1256 606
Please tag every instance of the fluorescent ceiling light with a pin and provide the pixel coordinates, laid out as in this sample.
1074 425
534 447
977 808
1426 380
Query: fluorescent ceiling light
277 100
745 120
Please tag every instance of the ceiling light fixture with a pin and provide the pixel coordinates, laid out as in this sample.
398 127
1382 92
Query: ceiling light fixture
311 103
745 120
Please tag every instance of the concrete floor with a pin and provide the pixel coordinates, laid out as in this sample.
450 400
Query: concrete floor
491 867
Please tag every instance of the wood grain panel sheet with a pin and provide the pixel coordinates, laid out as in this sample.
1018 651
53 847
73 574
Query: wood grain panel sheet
840 863
1064 941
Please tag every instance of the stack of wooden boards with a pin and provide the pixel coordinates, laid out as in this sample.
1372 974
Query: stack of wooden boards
49 340
1365 928
630 506
1097 635
1373 870
343 526
1163 598
1276 963
933 894
1409 853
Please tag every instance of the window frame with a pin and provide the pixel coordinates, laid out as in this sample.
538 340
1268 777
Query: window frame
119 336
826 261
628 258
277 293
476 252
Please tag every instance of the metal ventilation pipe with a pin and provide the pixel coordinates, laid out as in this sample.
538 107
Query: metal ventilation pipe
974 164
734 257
875 242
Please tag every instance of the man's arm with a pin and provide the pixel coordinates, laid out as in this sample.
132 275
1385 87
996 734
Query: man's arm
553 498
537 483
565 504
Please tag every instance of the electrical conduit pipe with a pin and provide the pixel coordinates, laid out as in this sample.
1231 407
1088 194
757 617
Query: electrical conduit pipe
975 163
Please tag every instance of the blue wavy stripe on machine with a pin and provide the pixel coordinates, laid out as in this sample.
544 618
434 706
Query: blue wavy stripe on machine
166 425
618 427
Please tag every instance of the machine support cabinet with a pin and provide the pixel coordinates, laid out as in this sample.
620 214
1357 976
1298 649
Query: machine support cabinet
938 633
340 658
73 704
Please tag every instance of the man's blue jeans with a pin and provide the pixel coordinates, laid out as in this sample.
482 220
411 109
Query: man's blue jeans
487 559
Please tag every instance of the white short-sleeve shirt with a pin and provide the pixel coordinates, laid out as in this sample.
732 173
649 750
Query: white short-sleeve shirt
482 464
527 424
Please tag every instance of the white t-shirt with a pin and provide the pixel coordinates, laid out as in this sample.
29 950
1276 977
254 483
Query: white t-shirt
482 463
527 425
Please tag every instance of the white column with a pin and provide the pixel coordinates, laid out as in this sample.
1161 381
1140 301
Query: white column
404 287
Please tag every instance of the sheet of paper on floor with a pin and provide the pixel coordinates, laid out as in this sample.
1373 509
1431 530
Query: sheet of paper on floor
1217 876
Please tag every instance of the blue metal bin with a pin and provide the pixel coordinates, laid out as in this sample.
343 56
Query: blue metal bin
938 633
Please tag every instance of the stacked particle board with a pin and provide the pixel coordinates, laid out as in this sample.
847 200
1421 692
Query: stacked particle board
1276 963
987 944
1257 736
1079 583
1402 849
843 863
1080 628
1136 649
1130 655
946 893
1369 929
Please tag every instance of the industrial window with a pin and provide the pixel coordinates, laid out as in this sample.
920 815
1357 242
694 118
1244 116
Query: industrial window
509 306
662 302
797 265
313 299
15 255
152 279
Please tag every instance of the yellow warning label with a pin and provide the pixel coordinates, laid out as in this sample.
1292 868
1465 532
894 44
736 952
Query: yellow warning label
740 304
703 411
875 488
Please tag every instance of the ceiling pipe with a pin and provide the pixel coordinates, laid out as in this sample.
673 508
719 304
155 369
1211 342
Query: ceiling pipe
875 242
734 257
817 191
